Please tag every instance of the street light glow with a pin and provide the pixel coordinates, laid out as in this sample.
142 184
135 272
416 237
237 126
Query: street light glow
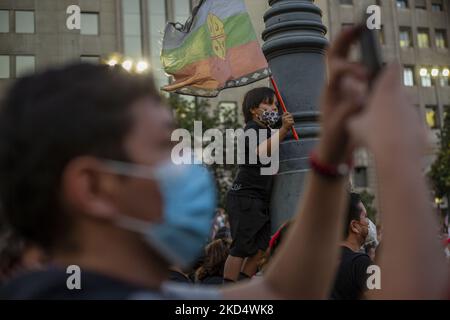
434 72
127 64
112 62
423 72
446 72
141 66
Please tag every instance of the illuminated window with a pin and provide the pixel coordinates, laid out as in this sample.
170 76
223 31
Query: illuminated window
405 37
425 79
441 39
423 38
408 76
431 117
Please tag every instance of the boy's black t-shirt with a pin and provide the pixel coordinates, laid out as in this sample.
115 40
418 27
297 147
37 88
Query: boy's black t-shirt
249 181
351 278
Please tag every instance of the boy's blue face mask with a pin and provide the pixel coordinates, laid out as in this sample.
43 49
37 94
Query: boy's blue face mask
189 200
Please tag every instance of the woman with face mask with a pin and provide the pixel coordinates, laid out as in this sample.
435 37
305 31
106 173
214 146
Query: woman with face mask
248 199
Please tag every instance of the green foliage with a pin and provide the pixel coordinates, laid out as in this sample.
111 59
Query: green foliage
186 112
440 170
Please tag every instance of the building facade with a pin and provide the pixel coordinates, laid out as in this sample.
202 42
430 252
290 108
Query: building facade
34 35
415 33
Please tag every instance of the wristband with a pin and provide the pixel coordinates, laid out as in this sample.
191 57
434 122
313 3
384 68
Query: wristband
327 170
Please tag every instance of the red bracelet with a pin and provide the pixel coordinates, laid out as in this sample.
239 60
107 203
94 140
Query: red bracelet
326 170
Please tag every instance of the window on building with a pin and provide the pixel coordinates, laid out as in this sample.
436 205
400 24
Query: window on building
4 67
157 21
346 2
4 21
24 65
437 6
425 78
444 82
360 177
90 59
402 4
89 23
405 37
441 39
423 38
432 117
132 32
24 21
408 76
444 77
421 4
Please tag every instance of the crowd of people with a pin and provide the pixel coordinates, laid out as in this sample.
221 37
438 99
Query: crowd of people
86 180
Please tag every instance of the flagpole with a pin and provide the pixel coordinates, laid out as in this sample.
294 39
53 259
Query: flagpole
281 101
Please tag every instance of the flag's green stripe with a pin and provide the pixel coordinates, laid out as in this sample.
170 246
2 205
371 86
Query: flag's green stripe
197 46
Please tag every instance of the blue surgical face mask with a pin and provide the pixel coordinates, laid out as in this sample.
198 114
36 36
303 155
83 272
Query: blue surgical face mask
189 200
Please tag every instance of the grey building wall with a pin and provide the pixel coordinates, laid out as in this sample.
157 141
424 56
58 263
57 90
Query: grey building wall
53 43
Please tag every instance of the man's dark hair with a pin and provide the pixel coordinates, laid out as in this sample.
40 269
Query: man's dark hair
353 211
254 98
50 118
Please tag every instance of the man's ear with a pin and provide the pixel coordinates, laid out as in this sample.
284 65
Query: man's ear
87 189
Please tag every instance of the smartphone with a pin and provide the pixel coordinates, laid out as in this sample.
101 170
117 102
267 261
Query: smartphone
371 55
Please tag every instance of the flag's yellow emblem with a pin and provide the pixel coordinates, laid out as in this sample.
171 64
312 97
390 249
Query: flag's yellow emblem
217 32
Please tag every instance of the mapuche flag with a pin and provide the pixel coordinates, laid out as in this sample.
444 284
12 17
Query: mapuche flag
216 49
